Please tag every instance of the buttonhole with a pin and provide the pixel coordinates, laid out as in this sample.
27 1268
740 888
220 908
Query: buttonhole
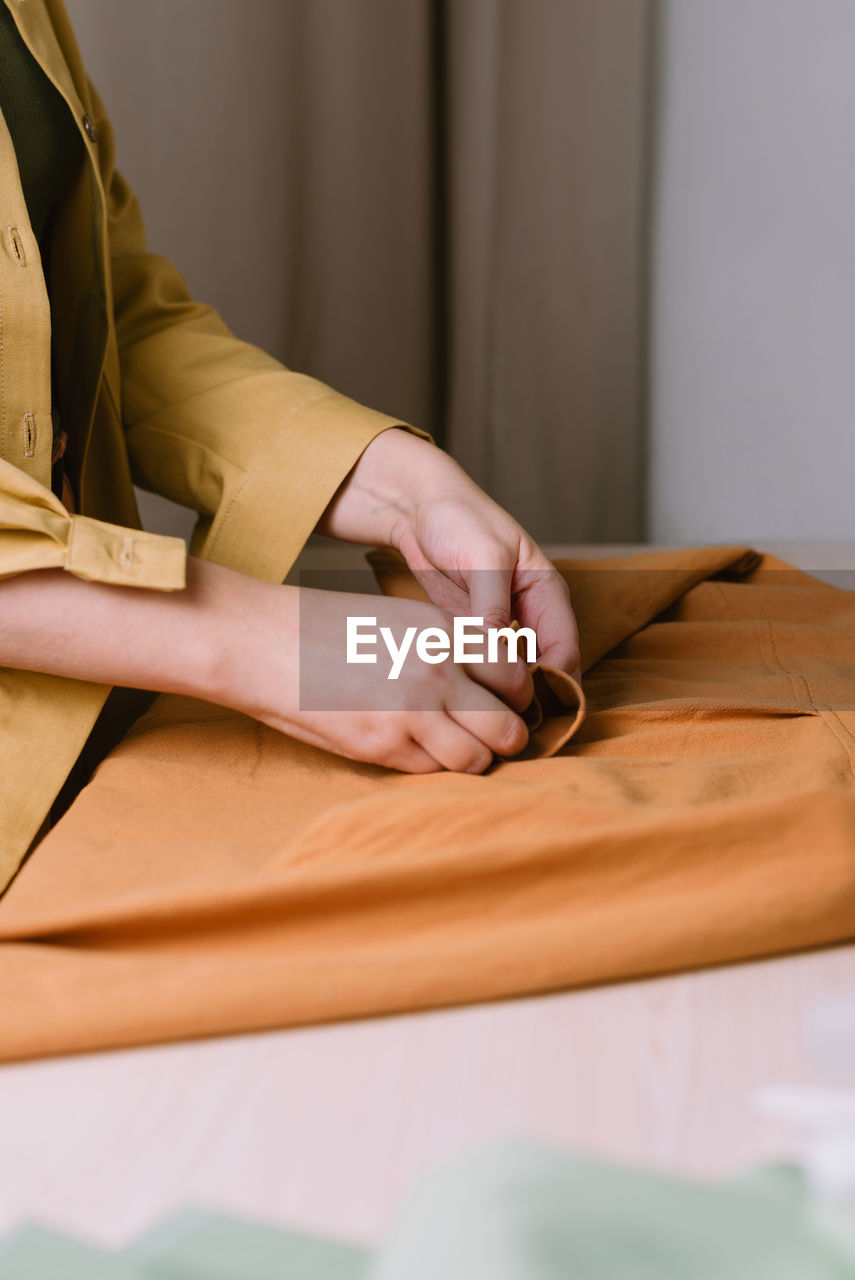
30 435
17 246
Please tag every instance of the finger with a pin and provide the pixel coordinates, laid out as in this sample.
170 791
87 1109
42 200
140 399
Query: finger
406 755
489 720
411 757
490 596
453 746
544 605
490 599
509 680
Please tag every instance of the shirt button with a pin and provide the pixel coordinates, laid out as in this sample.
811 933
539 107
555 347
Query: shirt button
89 126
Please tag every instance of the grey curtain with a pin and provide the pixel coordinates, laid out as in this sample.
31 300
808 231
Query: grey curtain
545 139
438 206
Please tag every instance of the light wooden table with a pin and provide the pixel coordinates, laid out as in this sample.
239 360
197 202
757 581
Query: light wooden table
325 1128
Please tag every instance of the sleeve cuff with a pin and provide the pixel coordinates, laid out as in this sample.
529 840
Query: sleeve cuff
110 553
263 524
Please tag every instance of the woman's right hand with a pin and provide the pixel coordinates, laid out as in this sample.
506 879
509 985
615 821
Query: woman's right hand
291 674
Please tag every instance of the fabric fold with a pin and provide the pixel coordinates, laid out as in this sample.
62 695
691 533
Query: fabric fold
695 806
612 596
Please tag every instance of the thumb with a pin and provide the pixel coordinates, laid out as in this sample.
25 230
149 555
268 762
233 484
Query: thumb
490 596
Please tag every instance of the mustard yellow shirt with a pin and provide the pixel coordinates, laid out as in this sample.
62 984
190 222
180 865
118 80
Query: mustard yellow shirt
155 391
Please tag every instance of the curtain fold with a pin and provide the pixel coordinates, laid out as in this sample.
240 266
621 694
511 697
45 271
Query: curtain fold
545 143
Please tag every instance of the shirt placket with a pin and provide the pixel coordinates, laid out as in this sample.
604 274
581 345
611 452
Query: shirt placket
26 428
36 30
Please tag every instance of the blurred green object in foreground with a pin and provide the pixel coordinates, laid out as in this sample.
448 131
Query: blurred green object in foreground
524 1212
32 1253
517 1211
192 1246
203 1246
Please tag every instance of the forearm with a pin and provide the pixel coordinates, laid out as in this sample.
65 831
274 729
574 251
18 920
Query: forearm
170 641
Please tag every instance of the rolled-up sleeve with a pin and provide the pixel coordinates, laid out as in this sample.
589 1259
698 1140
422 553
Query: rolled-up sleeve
39 533
215 423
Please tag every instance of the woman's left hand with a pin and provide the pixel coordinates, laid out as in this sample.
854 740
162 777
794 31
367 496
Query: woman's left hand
470 556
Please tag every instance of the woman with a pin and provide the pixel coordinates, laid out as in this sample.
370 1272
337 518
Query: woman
110 373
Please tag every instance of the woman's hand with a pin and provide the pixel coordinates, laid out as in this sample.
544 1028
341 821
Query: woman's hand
471 557
290 671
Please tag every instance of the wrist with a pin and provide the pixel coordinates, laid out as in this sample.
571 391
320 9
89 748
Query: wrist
247 634
378 501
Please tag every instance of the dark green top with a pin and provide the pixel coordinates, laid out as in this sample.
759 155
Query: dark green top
45 135
46 140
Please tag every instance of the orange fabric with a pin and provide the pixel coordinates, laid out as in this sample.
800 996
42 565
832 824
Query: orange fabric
218 876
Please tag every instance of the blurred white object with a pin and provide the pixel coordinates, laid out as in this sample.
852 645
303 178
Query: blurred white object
828 1158
830 1036
828 1114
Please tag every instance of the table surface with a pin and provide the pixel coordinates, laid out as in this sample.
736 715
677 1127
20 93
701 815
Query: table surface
325 1128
